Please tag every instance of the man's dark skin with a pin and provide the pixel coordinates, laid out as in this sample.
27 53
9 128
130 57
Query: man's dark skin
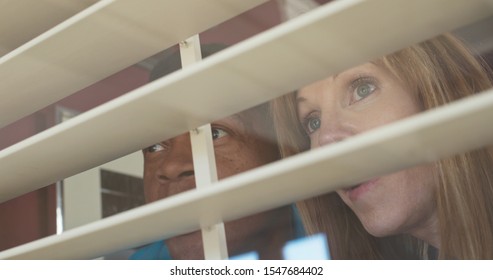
241 142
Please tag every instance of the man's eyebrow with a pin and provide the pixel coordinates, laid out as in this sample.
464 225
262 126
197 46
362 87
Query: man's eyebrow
237 116
244 119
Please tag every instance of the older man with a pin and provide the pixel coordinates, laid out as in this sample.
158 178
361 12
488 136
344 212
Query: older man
241 142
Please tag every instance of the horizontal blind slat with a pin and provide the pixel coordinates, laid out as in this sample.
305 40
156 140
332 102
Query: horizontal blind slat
97 42
21 20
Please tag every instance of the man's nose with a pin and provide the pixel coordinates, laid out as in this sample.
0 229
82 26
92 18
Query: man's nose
177 162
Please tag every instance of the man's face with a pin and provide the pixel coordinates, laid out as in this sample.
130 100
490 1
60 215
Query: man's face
241 142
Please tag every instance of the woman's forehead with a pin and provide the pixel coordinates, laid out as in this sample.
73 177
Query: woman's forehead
366 68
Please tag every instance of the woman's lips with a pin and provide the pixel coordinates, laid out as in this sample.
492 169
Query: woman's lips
356 192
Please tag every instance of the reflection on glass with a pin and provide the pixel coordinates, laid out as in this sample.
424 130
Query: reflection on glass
312 247
246 256
120 192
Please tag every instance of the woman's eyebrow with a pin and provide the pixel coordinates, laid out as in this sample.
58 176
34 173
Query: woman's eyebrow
300 99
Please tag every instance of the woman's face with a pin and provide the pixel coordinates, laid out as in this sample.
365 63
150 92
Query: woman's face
355 101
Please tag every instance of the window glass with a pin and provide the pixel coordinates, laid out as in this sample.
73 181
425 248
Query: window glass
403 214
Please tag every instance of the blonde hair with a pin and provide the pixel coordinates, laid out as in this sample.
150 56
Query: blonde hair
439 71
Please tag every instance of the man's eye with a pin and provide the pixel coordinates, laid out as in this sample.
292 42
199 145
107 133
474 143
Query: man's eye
218 133
154 148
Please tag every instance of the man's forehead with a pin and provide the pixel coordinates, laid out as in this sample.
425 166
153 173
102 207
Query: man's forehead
248 116
237 117
238 121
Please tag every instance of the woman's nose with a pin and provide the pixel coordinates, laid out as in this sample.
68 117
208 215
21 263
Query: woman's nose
177 162
334 127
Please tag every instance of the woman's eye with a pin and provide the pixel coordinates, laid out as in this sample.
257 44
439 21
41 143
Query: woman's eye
218 133
312 124
362 88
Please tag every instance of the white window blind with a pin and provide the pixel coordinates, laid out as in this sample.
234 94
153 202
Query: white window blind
247 74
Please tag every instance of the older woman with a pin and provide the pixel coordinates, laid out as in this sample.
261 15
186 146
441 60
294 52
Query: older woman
446 206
